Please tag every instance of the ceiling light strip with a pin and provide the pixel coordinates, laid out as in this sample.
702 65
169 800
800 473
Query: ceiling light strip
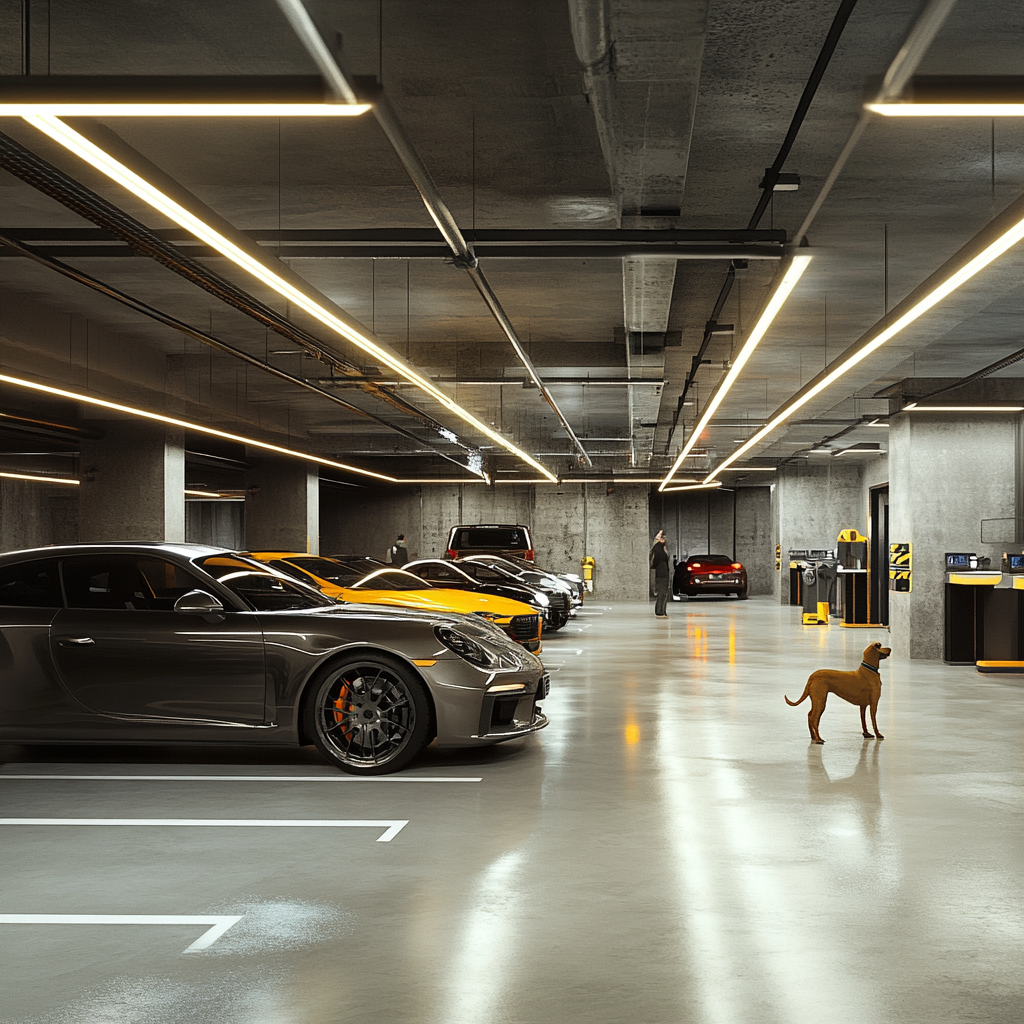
914 407
947 109
792 272
40 479
186 425
706 486
138 186
183 109
978 253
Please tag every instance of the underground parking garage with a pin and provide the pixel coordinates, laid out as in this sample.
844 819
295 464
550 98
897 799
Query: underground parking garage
438 444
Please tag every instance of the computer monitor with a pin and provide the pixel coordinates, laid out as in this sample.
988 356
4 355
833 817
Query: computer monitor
958 561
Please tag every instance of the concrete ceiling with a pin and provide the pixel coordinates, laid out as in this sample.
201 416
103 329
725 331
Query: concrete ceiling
523 127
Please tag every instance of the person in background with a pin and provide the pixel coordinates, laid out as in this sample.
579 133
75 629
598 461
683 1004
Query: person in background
659 563
398 553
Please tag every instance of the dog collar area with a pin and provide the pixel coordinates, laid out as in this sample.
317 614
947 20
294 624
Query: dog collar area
870 668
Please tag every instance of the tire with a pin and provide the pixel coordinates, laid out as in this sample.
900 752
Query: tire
369 715
741 595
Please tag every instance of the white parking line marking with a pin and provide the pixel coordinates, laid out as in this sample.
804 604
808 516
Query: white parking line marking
247 778
391 828
218 924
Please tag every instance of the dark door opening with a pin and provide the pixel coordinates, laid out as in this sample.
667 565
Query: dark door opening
878 556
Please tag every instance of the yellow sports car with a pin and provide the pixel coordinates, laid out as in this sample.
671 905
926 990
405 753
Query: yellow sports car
397 588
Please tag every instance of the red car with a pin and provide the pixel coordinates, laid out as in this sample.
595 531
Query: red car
710 574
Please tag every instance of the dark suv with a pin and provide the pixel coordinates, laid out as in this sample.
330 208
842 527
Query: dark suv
490 539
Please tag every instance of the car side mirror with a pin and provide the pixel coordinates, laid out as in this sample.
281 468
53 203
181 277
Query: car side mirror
198 602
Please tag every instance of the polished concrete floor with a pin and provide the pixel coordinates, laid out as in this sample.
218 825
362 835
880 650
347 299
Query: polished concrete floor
671 849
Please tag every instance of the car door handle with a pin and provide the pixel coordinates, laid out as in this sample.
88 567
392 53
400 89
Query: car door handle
76 641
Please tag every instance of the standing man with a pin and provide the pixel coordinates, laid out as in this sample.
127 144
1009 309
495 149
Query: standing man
659 563
398 552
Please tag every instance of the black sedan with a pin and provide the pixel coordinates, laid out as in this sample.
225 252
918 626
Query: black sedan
180 643
558 592
710 574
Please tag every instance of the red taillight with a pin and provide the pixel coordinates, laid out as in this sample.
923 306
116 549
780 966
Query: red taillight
529 555
451 554
736 565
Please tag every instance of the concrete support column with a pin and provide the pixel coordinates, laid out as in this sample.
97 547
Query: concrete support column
811 505
133 483
282 505
947 472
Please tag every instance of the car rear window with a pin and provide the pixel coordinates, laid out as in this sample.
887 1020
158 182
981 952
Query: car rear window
710 559
501 537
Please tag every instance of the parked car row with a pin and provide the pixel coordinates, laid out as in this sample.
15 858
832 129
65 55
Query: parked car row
181 643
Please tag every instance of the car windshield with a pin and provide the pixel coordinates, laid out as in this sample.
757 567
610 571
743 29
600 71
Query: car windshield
483 574
391 579
358 564
260 588
489 537
710 559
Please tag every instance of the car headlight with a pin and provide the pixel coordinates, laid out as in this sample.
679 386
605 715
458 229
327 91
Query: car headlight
465 647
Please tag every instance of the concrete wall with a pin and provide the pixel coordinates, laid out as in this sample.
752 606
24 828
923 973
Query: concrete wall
946 474
33 515
810 505
720 522
566 522
218 523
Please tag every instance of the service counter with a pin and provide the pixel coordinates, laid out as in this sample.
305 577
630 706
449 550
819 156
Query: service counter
984 621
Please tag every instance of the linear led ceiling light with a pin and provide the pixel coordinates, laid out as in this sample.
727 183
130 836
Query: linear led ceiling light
162 203
956 96
40 479
792 271
988 245
171 96
914 407
706 486
186 425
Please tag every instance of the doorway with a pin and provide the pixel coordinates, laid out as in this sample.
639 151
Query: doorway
878 556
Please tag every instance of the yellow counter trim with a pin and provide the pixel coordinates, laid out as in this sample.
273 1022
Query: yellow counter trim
976 579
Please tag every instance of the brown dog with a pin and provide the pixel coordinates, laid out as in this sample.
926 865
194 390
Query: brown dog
862 688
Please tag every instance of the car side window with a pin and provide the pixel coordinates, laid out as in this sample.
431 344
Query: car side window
34 584
126 582
437 573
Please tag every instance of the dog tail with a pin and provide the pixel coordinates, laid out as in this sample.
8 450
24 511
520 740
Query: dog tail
793 703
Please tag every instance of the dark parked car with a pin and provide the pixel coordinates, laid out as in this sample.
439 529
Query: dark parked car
489 568
490 539
453 576
180 643
710 574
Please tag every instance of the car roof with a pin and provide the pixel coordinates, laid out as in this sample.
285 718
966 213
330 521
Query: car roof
189 551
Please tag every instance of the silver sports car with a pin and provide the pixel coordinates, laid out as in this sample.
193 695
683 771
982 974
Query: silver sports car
178 643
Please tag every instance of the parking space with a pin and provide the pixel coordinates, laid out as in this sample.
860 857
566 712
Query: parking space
668 849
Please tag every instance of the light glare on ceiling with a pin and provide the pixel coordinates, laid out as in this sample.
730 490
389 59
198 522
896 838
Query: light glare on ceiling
914 407
793 273
41 479
138 186
1010 237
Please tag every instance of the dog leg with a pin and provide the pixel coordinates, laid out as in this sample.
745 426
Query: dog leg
874 721
864 724
814 716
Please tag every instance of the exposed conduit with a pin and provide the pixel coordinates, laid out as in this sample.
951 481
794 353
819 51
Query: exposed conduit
207 339
298 17
89 205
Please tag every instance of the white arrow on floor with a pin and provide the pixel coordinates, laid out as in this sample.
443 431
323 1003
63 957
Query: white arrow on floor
218 924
